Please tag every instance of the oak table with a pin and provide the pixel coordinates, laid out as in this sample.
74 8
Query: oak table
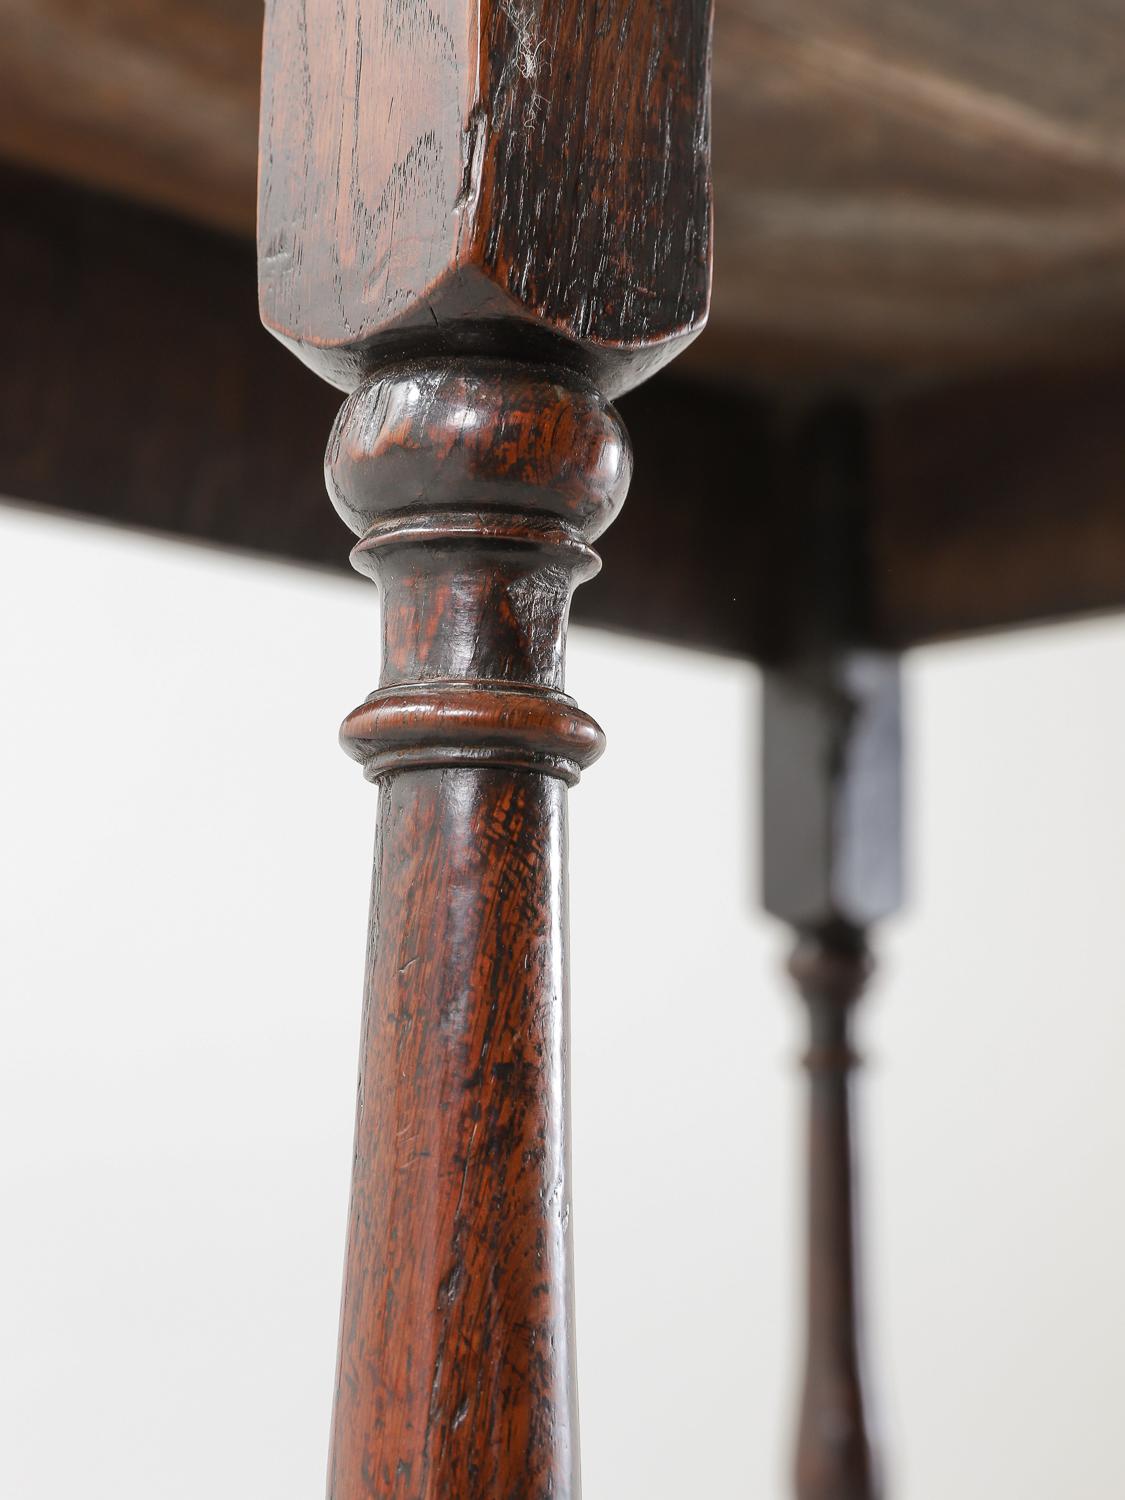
484 223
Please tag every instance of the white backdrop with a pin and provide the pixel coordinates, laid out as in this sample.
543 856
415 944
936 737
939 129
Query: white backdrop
183 894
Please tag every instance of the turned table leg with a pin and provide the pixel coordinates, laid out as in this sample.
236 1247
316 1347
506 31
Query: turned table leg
456 1371
831 782
832 863
482 220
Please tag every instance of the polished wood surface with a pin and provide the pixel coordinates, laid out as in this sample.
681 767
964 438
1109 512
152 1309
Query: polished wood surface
412 179
457 1360
480 272
902 191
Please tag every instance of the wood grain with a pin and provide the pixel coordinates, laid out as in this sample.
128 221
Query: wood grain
480 257
456 1373
919 191
901 191
416 155
153 99
476 488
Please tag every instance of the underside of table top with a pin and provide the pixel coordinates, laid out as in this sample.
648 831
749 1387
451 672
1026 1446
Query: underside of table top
902 191
920 250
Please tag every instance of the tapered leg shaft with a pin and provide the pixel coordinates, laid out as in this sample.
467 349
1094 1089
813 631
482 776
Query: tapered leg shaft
482 220
836 1454
456 1351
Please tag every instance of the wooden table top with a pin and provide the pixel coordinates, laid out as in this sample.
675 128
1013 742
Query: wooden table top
903 191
